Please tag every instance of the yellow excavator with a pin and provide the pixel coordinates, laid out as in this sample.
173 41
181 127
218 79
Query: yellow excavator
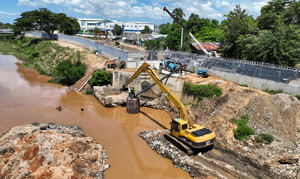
187 136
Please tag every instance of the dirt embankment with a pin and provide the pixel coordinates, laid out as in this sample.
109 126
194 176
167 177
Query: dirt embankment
278 115
50 151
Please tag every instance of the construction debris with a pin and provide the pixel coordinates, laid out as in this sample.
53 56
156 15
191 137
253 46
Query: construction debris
50 151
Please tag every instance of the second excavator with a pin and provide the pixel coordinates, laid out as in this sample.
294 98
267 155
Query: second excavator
188 136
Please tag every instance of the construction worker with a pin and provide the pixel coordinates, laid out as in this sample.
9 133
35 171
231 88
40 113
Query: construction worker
181 69
131 92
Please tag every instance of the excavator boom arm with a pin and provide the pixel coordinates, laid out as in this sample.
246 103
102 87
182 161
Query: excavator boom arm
173 98
137 73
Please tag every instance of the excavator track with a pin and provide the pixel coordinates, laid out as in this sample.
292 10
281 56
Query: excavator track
179 144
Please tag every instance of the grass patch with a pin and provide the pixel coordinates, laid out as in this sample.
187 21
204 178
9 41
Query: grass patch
264 138
298 97
273 91
201 91
100 78
167 98
244 85
243 131
89 91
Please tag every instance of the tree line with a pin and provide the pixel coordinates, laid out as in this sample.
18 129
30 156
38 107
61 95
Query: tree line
44 20
272 37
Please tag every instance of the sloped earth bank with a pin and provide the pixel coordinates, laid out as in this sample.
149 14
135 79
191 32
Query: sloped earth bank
278 115
209 164
50 151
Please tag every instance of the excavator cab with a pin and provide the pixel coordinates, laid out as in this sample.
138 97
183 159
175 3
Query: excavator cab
195 136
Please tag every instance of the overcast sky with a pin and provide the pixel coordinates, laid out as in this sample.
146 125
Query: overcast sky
130 10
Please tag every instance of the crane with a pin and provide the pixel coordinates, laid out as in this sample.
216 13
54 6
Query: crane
182 133
178 21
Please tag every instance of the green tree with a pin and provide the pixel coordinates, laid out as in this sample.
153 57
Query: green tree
68 73
45 20
173 39
292 15
215 22
164 28
117 30
5 26
281 46
178 13
68 25
204 29
100 78
238 23
271 14
152 45
209 34
146 30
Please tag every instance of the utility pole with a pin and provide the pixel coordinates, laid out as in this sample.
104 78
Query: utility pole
181 41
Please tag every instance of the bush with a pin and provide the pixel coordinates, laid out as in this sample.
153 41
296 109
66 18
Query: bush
100 78
68 73
298 97
273 91
89 91
201 91
264 138
122 64
117 43
243 131
244 85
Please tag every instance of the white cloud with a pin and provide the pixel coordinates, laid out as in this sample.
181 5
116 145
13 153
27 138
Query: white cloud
27 3
9 13
149 10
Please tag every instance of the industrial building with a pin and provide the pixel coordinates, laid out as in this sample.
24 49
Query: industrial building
107 25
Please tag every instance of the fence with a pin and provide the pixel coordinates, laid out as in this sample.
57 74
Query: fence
108 51
248 68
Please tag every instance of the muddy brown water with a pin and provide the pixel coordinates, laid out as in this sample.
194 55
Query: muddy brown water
26 97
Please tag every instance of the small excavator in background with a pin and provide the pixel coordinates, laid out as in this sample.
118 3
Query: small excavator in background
189 137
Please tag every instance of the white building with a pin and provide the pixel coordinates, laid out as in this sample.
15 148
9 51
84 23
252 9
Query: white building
108 25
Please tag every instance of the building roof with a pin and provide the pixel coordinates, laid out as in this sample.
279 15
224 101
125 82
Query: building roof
207 45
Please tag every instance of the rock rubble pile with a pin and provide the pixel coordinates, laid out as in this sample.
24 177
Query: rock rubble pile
50 151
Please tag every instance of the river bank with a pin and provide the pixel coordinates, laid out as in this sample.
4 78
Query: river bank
27 97
63 64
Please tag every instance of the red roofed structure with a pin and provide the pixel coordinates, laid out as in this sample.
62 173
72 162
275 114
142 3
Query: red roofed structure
207 45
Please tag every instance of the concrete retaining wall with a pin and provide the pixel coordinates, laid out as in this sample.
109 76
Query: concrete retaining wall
137 64
120 77
257 83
